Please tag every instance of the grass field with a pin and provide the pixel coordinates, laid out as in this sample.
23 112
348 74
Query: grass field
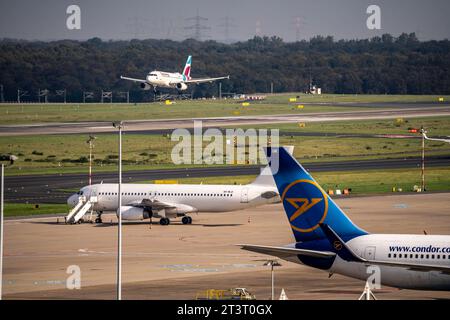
55 154
276 104
22 209
436 126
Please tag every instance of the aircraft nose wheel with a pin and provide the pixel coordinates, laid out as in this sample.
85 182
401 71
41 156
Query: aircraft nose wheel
164 221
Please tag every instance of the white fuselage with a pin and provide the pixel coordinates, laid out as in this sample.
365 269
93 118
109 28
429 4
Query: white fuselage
166 80
204 198
417 249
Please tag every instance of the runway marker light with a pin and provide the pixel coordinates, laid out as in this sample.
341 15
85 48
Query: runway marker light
441 99
245 104
292 99
414 130
302 125
300 106
168 102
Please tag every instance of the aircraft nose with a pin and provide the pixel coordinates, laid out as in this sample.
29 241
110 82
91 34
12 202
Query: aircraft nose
72 200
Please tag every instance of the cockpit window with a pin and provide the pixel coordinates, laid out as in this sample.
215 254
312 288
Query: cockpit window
80 193
152 74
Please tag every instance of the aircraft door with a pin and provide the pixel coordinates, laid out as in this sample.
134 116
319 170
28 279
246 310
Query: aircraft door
369 253
244 195
93 195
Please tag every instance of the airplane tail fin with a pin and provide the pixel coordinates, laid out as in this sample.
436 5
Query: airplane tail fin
187 69
265 177
306 204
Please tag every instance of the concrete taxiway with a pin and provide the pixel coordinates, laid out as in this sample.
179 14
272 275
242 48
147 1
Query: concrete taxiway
164 124
178 261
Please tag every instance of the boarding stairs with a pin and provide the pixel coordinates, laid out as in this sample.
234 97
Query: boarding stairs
82 207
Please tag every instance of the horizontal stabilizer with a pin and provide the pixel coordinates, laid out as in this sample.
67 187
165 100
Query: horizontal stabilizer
284 252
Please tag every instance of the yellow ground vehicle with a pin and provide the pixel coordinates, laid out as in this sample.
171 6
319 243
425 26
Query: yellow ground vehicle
230 294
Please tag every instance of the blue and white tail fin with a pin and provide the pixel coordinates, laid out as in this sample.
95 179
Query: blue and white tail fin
265 178
187 69
306 204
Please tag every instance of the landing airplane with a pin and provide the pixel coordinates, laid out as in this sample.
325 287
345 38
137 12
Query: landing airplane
327 239
177 81
167 201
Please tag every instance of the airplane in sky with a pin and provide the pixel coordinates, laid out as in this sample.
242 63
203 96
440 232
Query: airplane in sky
327 239
161 79
168 201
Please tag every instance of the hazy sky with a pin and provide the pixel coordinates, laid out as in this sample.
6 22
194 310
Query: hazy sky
289 19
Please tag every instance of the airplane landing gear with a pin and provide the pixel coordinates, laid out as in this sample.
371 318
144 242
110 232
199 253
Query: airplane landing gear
164 221
186 220
99 217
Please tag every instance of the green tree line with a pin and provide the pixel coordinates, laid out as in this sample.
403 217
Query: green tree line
380 65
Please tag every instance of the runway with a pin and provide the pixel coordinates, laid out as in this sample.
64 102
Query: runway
165 124
47 188
179 261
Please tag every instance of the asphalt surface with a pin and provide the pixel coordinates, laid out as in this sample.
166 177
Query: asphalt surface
414 110
47 188
180 261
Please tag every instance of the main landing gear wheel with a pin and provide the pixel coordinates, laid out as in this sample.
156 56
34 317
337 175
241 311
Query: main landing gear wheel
98 220
164 221
186 220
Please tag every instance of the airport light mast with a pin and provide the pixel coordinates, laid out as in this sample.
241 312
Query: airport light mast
2 183
91 145
272 263
119 125
423 131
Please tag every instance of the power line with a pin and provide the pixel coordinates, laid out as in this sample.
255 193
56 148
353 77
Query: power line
198 27
298 23
228 23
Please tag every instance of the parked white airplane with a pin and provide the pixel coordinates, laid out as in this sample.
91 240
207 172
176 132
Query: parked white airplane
177 81
327 239
167 201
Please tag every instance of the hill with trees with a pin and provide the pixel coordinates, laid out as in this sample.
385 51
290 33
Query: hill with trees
386 64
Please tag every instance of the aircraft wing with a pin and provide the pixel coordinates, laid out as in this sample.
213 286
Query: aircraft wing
346 253
202 80
133 79
153 204
284 252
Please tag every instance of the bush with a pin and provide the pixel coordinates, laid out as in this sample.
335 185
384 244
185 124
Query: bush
82 159
37 153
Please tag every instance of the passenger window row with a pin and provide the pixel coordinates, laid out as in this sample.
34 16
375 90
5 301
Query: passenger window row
418 256
168 194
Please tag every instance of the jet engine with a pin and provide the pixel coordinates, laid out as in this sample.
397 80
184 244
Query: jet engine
182 86
133 213
145 86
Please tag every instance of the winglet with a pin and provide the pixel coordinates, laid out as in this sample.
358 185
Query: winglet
341 248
